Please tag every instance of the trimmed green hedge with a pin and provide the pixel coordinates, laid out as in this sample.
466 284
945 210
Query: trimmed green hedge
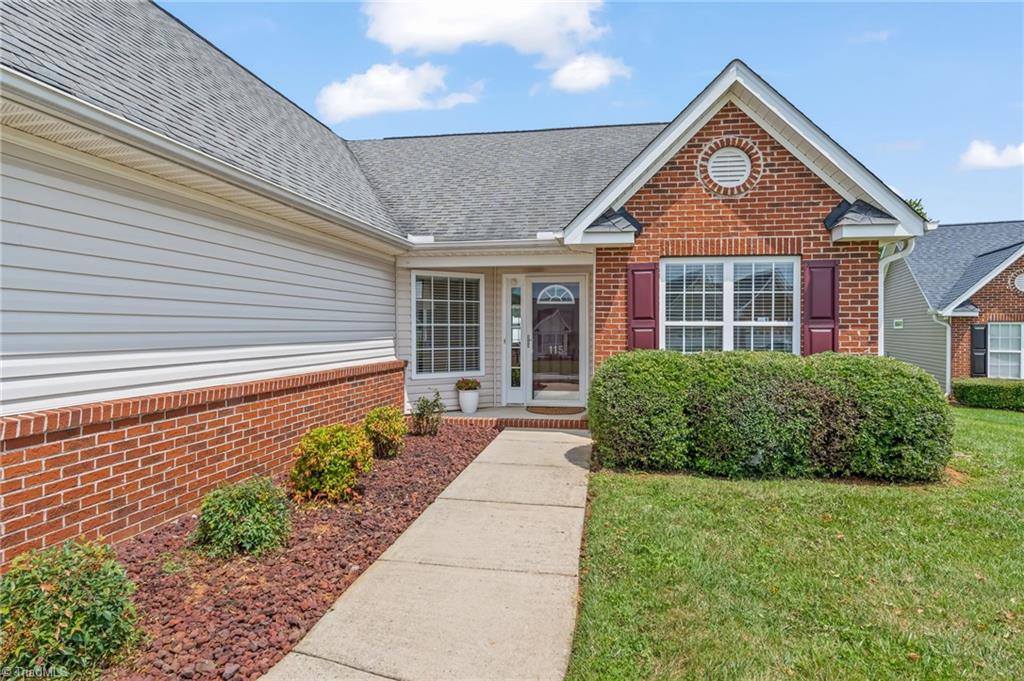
989 393
742 414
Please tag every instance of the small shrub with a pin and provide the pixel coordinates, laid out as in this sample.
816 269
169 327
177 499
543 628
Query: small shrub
67 608
770 414
467 384
989 393
249 517
387 430
331 458
427 415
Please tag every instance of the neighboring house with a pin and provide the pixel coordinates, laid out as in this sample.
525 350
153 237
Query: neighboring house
954 302
195 270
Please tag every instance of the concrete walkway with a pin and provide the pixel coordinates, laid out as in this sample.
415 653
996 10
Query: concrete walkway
482 586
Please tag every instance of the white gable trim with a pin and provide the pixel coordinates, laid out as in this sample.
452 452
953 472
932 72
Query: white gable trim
701 109
948 310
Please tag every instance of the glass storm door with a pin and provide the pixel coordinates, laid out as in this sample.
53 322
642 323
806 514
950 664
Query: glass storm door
553 347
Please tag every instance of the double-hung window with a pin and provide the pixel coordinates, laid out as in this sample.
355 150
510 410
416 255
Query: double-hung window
447 324
730 304
1006 350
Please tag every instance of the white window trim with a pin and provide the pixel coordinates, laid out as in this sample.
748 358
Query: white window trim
412 319
727 324
988 359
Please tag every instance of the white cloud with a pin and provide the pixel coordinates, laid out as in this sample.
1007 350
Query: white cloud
557 32
553 30
983 154
588 72
390 87
870 37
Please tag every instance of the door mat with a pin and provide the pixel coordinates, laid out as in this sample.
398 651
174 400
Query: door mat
561 411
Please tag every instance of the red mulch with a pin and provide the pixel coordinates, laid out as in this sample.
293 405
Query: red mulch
236 618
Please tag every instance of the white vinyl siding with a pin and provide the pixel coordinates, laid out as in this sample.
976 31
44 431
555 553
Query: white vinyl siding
113 289
1005 350
730 304
920 340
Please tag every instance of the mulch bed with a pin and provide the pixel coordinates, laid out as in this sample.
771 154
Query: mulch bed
235 619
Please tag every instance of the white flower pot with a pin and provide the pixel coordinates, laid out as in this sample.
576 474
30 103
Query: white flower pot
469 400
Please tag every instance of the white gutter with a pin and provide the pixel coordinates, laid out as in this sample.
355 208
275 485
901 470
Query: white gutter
527 244
883 266
39 95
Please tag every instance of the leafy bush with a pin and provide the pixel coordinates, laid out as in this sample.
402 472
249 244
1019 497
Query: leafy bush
330 461
67 608
246 517
427 415
386 428
770 414
989 393
467 384
636 410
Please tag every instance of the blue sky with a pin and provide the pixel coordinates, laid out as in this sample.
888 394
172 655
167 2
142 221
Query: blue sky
928 96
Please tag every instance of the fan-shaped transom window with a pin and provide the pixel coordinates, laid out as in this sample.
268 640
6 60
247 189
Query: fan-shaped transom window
729 167
556 294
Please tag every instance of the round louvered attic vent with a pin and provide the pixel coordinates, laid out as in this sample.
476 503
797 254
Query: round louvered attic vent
1019 282
729 167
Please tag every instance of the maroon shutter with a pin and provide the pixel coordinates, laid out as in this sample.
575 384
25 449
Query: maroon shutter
821 306
979 350
642 306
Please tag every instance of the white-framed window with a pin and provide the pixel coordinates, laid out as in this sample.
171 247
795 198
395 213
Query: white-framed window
447 324
742 303
1006 350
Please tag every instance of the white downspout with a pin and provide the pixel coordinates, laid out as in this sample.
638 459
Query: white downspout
883 265
939 319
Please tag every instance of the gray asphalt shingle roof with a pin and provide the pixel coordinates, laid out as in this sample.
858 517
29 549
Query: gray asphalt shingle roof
507 185
950 260
135 60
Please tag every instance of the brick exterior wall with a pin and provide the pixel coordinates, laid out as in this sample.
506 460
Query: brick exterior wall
781 215
998 301
116 469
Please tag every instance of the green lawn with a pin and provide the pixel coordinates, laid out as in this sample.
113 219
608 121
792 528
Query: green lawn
690 577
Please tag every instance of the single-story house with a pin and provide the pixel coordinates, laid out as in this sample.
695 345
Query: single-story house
954 302
196 271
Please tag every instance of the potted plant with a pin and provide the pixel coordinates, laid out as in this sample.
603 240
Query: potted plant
469 394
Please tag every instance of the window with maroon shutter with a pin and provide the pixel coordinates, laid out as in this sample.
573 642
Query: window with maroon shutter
642 306
821 306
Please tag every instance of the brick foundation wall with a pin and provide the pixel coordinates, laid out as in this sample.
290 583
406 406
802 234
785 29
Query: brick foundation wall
115 469
998 301
781 215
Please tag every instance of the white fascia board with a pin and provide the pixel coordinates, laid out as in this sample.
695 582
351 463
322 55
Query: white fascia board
958 314
606 238
870 232
948 310
496 260
708 102
36 94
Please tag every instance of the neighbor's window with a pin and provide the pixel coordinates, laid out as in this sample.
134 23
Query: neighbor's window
730 304
1006 350
448 314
